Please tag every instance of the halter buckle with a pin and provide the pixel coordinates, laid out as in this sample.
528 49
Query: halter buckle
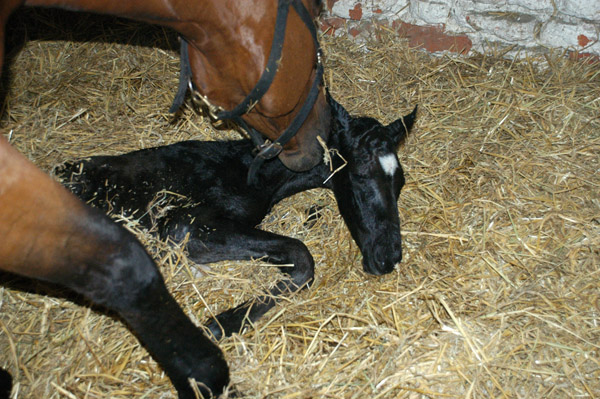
269 150
197 98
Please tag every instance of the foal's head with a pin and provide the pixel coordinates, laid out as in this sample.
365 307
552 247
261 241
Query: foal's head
367 188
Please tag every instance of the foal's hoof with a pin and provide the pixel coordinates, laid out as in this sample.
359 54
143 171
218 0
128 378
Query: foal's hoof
70 176
65 170
229 322
216 331
314 214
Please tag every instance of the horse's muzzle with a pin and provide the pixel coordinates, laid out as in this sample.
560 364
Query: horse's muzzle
304 151
382 259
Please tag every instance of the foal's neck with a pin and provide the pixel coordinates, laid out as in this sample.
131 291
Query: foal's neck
289 183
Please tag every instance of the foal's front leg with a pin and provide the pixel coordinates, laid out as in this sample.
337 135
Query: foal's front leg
229 240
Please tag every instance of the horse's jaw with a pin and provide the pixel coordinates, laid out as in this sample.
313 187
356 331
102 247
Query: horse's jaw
303 158
305 151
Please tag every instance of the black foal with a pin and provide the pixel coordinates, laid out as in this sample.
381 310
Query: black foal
198 190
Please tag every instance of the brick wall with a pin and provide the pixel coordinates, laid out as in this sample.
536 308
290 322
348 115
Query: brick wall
465 25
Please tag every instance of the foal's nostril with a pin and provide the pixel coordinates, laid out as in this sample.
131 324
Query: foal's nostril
378 269
381 261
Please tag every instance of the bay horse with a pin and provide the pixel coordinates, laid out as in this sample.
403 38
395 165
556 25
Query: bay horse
257 63
196 191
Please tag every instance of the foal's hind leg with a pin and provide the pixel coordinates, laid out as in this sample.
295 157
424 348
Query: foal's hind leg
233 241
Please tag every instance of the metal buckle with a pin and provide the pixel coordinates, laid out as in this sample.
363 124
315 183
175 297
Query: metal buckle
198 98
269 150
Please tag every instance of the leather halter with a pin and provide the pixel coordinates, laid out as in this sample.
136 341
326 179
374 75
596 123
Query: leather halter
264 151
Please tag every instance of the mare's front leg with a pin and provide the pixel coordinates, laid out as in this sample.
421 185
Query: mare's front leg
129 283
101 261
47 234
229 240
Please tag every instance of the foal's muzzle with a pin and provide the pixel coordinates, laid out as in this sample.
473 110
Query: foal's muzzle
382 257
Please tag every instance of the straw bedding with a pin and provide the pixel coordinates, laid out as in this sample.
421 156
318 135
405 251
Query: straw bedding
497 295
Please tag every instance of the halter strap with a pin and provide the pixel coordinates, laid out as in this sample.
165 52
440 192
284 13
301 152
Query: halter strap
270 150
268 74
185 76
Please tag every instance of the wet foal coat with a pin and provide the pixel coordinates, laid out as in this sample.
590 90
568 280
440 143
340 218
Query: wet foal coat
197 190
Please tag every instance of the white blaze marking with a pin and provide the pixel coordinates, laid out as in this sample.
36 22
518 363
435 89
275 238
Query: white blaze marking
389 164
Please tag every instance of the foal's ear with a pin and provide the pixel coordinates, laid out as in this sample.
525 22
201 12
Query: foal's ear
339 113
400 128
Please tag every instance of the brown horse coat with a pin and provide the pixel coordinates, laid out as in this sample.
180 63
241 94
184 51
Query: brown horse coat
229 44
